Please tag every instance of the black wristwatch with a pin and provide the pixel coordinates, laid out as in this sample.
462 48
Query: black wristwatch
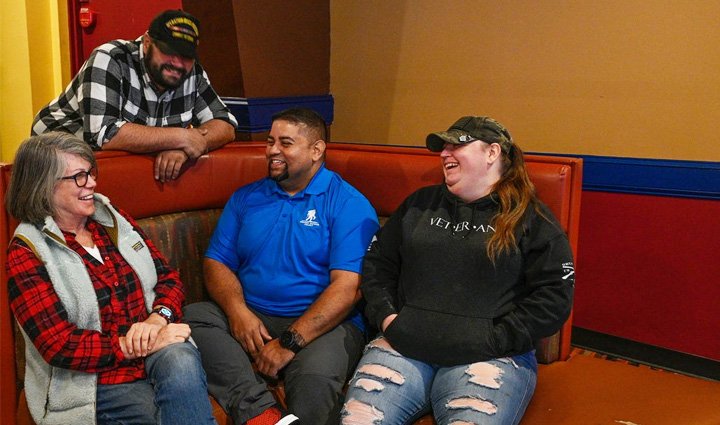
165 313
292 340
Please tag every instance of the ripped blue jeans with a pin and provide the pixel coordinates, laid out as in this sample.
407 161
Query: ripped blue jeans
389 389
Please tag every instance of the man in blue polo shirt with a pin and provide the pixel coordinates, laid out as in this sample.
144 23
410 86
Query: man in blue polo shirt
283 269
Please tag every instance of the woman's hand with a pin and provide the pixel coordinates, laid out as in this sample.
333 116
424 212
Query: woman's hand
141 337
166 335
123 348
171 334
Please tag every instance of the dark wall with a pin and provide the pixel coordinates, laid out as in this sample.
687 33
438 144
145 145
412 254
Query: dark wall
265 49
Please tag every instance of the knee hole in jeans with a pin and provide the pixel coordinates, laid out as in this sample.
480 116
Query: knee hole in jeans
485 375
358 413
382 345
473 403
381 372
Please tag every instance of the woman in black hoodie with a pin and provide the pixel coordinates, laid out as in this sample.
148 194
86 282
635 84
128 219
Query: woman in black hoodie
462 280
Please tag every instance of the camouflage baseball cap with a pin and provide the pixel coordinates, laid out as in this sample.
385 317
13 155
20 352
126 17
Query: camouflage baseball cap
469 129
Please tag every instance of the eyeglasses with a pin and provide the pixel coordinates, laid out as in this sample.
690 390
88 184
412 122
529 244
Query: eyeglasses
81 178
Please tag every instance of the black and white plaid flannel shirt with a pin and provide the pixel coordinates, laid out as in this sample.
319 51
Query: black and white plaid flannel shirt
113 88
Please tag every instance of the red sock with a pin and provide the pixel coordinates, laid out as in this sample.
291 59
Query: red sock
268 417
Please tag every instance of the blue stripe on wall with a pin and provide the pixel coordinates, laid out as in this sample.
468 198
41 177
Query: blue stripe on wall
686 179
254 114
662 177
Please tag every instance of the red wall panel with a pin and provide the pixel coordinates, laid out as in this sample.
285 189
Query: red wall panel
127 19
649 270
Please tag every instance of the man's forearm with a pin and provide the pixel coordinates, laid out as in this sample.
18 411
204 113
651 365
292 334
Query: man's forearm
219 133
138 138
223 286
332 306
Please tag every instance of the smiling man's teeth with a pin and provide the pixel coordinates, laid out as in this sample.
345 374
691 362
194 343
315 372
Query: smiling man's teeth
86 198
451 165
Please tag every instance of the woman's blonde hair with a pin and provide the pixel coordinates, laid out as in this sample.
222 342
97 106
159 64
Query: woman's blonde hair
37 168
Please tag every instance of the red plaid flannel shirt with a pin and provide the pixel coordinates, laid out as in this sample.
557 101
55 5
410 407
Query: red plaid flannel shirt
42 315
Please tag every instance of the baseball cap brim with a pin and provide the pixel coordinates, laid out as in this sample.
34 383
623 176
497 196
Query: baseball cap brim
182 49
435 142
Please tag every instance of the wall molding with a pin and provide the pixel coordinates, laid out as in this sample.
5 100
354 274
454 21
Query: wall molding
662 177
254 113
646 354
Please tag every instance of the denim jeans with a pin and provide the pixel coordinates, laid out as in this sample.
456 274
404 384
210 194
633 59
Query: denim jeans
314 378
390 389
174 393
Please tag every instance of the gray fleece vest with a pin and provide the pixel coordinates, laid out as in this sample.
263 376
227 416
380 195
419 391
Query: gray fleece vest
63 396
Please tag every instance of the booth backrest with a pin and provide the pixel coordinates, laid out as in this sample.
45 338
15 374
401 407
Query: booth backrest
385 174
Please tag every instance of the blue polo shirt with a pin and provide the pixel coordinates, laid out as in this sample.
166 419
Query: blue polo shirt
283 247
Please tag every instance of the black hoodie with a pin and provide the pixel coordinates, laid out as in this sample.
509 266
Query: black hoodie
429 264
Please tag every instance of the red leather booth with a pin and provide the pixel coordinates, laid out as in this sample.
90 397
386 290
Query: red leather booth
386 175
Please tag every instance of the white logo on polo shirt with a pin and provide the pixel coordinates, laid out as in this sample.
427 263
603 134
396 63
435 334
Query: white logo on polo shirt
310 219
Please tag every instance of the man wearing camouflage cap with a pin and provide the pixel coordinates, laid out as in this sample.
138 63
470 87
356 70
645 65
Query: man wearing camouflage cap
145 96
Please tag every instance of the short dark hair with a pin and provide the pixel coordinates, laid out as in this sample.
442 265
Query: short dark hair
37 168
316 128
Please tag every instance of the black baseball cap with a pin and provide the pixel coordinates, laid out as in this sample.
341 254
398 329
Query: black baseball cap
176 32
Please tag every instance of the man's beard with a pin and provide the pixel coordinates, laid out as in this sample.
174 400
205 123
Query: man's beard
280 177
156 73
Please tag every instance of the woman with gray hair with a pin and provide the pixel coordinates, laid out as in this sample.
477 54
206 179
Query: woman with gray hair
97 303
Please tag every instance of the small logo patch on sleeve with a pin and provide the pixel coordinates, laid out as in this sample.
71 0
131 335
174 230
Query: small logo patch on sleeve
569 270
138 246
